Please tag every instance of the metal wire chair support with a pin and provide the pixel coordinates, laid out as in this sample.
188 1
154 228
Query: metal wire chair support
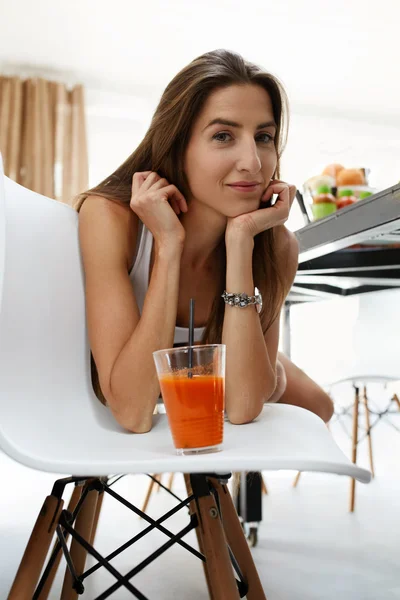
201 485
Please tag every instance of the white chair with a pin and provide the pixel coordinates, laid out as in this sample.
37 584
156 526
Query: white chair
50 419
372 416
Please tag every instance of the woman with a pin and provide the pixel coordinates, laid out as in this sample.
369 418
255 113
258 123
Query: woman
189 214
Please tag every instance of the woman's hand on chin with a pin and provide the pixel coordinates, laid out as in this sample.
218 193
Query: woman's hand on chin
251 224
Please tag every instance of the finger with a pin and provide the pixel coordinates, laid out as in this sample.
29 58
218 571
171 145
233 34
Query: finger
183 204
173 191
292 188
181 201
150 180
282 189
162 182
292 193
175 205
138 179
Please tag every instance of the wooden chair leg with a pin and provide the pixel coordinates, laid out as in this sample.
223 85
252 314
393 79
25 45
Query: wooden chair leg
76 494
159 478
355 444
263 486
238 543
193 510
297 478
221 579
84 526
96 518
148 494
36 551
170 481
369 437
397 400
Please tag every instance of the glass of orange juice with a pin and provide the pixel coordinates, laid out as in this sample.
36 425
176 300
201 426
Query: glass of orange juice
192 382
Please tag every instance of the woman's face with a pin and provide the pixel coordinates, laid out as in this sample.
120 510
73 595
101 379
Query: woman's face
232 142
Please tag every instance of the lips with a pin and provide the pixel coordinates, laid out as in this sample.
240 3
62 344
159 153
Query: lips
244 183
245 186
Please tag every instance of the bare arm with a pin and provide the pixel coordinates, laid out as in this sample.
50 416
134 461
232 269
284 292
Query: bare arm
133 384
122 340
251 356
250 376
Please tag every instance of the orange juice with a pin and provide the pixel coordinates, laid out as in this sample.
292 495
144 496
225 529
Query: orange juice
195 409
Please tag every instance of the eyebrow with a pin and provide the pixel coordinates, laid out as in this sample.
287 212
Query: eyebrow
220 121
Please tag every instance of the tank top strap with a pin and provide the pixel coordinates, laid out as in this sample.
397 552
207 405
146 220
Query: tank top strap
139 276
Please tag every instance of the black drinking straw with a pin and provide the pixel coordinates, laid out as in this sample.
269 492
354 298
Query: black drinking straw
191 336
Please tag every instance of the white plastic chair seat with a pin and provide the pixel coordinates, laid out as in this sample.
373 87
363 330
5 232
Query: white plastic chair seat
283 437
50 418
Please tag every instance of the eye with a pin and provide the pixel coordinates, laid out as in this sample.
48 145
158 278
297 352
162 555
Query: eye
222 136
265 137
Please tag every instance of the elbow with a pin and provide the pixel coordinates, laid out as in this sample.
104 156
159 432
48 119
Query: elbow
241 415
251 404
134 424
243 418
133 414
135 421
140 426
277 385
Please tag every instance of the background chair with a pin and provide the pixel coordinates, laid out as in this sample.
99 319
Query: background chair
364 414
51 420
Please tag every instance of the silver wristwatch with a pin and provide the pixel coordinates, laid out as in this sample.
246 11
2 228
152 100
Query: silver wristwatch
243 300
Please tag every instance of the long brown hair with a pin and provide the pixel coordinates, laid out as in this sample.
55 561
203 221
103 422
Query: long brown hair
163 150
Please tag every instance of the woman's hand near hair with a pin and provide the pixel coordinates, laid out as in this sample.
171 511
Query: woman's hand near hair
158 203
251 224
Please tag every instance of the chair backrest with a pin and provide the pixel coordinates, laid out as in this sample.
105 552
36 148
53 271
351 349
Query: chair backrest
44 350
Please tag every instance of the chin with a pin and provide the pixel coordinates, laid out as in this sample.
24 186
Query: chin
238 211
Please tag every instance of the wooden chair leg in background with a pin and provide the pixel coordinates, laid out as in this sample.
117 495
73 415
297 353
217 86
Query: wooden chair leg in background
263 486
149 492
150 489
76 494
238 543
170 481
367 420
354 444
297 478
397 400
36 551
84 526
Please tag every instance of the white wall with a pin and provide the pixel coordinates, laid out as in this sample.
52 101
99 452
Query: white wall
357 335
116 124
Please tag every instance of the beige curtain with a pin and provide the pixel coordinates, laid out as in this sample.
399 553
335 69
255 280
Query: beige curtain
43 136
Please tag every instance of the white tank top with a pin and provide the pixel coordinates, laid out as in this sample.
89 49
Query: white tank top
139 276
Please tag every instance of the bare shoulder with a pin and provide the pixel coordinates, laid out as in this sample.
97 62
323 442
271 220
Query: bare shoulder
287 254
108 224
98 206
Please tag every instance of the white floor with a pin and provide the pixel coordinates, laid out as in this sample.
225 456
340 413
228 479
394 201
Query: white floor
310 547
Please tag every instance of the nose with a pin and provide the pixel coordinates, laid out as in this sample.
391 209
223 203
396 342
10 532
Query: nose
248 158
